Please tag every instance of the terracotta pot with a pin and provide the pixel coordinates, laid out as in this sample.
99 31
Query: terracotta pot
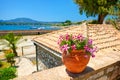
76 62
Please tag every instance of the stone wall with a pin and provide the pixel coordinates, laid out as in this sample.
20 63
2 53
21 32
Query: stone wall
46 59
111 72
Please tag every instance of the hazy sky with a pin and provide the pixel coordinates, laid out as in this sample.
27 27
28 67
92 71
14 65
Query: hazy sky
41 10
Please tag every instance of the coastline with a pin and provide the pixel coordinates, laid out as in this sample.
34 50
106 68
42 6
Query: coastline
25 32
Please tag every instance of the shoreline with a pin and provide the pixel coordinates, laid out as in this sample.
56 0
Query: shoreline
25 32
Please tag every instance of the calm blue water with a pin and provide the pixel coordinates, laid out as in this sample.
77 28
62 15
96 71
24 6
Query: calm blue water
26 27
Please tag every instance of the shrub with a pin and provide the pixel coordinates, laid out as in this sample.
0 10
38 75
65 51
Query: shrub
10 58
7 73
1 63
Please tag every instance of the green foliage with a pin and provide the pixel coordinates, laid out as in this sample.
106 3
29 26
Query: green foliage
11 38
7 73
66 23
79 23
93 22
98 7
11 41
1 63
10 58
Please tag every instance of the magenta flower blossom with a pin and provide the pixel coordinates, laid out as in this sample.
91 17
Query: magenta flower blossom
93 50
74 37
90 42
67 37
65 48
93 55
67 43
86 47
80 37
73 47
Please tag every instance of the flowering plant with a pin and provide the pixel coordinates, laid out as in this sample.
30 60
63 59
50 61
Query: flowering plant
67 43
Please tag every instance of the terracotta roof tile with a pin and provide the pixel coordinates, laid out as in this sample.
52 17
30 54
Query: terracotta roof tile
104 36
50 39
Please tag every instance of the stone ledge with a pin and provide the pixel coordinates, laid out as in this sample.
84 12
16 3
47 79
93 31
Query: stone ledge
109 72
57 73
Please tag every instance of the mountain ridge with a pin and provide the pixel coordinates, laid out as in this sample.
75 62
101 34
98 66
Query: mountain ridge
22 20
26 20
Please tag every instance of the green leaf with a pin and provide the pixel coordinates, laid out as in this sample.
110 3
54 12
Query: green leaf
63 43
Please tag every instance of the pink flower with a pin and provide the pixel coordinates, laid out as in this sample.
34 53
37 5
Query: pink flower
73 47
67 37
90 42
74 37
80 37
64 48
86 47
71 42
93 55
93 50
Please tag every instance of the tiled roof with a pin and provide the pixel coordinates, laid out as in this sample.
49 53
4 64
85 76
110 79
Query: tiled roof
104 36
50 39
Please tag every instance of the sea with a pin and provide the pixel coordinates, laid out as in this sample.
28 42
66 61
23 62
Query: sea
27 27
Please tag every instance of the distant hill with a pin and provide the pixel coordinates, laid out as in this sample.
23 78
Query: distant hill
22 20
27 20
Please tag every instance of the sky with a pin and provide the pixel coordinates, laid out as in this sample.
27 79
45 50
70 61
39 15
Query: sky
41 10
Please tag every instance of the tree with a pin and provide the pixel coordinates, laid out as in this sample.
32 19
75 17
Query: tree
98 7
68 22
11 41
